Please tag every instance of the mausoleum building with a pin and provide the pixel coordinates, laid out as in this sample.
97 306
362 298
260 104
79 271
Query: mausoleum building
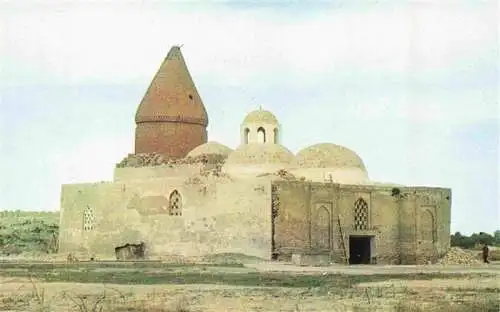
184 196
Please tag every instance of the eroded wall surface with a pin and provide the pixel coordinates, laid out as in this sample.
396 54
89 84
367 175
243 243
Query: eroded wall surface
154 172
215 217
413 227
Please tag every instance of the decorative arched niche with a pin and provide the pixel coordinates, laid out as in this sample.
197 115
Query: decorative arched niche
321 231
427 226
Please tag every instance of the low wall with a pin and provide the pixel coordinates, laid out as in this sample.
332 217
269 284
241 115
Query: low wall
155 172
228 217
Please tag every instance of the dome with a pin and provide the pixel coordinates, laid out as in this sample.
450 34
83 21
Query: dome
210 148
261 116
328 155
255 154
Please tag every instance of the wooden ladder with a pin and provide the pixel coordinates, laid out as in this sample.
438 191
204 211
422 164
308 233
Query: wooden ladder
342 241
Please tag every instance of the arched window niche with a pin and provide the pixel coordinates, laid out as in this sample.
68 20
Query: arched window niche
261 135
175 204
276 135
246 134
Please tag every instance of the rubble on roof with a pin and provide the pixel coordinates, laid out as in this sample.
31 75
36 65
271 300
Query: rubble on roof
155 159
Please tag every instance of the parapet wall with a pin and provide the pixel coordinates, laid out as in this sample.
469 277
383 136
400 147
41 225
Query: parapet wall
155 159
156 172
154 166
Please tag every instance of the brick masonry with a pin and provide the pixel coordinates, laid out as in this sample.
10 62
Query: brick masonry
404 230
173 140
171 118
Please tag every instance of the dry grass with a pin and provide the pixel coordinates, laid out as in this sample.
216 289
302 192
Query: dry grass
180 289
356 300
480 305
107 301
180 304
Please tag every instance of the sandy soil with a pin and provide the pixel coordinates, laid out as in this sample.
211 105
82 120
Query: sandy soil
378 269
458 283
379 296
213 298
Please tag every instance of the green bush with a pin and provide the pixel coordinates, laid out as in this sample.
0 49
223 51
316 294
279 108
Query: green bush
28 232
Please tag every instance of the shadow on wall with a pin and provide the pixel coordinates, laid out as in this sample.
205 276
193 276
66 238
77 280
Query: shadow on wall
130 252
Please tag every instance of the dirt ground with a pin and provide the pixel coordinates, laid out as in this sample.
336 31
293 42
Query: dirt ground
24 294
492 268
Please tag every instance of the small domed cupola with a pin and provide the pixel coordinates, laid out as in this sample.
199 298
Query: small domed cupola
260 126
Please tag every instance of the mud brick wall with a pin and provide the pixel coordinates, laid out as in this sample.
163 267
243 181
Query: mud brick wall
292 221
403 231
407 232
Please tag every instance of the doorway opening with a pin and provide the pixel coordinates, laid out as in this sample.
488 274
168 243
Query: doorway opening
360 249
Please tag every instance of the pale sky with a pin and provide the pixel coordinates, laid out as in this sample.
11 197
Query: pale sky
412 87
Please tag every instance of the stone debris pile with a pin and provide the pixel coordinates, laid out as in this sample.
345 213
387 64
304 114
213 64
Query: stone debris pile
282 174
285 175
458 256
202 178
155 159
141 160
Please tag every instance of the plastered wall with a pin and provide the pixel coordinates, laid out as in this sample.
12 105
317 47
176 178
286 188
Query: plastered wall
155 172
411 229
217 217
337 175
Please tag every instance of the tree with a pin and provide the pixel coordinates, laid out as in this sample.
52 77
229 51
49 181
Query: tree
496 238
475 239
455 239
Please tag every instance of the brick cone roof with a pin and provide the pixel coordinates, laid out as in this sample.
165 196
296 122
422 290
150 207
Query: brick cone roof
172 95
171 119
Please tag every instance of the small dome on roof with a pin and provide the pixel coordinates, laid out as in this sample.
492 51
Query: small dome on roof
210 148
255 153
328 155
261 116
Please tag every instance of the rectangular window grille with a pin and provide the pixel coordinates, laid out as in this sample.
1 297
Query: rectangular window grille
88 219
361 215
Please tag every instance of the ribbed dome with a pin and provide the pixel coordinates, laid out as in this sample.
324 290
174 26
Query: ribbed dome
210 148
255 154
261 117
328 155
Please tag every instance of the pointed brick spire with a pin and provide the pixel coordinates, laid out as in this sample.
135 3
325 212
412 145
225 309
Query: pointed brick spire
171 118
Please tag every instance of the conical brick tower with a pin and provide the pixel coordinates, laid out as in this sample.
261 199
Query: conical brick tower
171 119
